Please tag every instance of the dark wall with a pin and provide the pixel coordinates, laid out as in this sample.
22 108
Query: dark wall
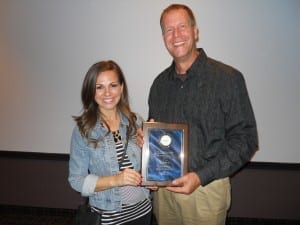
266 191
40 180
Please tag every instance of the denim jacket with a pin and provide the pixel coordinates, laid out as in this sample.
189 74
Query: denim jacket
88 163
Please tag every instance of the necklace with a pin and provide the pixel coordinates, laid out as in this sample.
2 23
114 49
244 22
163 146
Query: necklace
117 136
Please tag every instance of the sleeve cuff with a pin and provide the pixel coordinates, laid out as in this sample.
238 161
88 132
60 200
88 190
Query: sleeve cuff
89 185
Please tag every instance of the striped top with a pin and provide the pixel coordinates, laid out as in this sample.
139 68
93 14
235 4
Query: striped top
134 202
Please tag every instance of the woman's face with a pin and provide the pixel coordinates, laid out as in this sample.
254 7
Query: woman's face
108 91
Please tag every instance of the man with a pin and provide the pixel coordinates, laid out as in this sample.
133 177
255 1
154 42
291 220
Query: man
212 99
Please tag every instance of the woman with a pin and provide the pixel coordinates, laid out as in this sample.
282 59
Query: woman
105 159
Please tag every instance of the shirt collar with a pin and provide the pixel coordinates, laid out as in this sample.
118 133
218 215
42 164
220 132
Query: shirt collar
192 71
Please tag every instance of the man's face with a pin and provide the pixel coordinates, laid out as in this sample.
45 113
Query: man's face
179 35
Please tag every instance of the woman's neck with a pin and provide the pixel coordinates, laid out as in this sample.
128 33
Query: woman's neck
112 120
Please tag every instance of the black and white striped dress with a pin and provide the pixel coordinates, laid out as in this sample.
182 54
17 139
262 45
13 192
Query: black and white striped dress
135 204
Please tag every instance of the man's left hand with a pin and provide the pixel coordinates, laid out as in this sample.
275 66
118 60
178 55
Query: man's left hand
186 184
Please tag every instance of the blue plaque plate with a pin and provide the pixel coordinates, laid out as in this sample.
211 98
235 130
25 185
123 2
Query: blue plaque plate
164 154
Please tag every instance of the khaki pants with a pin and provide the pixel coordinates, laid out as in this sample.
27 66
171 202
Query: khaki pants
207 205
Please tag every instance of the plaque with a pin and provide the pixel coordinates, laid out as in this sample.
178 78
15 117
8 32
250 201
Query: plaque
164 153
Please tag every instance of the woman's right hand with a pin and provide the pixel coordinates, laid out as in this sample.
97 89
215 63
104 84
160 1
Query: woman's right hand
125 177
128 177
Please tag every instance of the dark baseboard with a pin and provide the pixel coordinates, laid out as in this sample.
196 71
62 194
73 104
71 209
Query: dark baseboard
273 166
260 221
65 157
6 209
34 155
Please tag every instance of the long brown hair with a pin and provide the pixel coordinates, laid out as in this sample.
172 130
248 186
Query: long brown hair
88 119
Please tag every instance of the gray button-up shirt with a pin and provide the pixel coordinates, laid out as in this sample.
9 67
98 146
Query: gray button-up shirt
214 102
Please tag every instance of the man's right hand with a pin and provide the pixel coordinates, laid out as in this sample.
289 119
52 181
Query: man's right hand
140 137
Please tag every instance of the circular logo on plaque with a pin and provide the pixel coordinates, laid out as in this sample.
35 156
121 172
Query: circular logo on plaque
165 140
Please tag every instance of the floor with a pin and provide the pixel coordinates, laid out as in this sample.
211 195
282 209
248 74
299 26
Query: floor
17 215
